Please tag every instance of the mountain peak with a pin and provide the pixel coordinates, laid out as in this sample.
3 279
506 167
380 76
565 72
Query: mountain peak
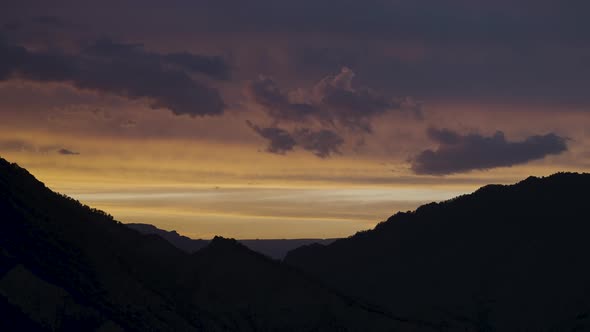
222 244
222 241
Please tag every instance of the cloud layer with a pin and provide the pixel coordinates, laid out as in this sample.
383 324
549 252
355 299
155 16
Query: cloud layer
333 105
124 70
68 152
279 140
455 54
332 101
458 153
322 143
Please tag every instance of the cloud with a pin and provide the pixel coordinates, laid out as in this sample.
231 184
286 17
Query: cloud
279 140
322 143
67 152
119 69
331 105
331 101
353 108
213 66
458 153
265 92
499 50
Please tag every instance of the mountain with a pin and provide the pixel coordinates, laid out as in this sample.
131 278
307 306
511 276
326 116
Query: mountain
273 248
179 241
67 267
504 258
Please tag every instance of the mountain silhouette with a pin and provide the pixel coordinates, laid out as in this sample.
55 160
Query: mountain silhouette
504 258
67 267
273 248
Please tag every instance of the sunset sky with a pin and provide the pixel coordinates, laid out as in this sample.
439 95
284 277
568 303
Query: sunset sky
290 119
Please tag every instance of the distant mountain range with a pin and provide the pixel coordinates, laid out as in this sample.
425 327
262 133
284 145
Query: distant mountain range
505 258
273 248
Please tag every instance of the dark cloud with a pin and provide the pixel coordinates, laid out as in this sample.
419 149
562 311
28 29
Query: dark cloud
119 69
67 152
322 143
311 59
333 104
425 19
265 92
210 65
213 66
502 50
333 100
458 153
352 108
279 140
445 22
444 136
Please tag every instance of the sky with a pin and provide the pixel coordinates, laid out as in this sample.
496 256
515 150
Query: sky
290 119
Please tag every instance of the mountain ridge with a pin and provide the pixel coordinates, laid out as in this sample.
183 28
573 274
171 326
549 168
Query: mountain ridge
85 271
478 255
274 248
506 258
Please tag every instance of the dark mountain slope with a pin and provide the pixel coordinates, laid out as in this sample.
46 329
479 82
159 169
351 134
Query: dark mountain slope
273 248
237 268
96 262
67 267
505 258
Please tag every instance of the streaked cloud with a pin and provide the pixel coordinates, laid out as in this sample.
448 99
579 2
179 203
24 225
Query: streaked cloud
67 152
458 153
322 143
123 70
332 101
333 105
279 140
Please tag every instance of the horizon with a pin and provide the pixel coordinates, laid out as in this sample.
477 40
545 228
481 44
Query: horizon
371 223
94 197
291 120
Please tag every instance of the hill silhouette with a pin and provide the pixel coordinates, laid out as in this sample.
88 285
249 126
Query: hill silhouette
273 248
505 258
67 267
